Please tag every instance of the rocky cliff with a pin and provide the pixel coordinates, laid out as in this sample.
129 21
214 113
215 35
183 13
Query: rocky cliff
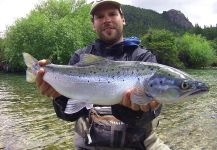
178 18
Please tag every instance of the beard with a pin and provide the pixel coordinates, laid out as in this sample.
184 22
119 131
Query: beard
110 34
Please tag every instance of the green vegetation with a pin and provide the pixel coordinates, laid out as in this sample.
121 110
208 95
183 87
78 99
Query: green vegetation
195 51
188 50
140 20
163 44
1 45
1 51
214 45
56 28
209 32
52 30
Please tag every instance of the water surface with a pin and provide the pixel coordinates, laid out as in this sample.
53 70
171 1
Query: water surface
27 120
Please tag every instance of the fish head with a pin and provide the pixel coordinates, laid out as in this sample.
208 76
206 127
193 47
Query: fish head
169 85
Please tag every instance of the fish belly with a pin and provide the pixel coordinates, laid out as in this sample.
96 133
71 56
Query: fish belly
90 91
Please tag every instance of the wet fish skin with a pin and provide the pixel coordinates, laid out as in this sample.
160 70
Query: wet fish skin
172 90
96 80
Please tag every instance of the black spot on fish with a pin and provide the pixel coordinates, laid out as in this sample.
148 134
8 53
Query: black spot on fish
132 72
161 82
108 81
138 79
151 85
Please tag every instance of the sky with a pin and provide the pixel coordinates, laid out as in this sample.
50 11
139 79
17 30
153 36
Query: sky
202 12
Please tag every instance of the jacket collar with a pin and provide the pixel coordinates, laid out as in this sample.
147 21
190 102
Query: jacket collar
104 49
116 50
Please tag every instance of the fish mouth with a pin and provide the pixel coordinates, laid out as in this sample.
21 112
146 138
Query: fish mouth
200 88
200 91
195 93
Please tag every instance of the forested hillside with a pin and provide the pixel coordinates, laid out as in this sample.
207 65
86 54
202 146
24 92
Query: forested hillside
141 20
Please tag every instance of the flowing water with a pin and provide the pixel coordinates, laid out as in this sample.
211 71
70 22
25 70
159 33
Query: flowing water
28 121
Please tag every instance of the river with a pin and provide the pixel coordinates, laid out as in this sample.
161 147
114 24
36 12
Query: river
28 121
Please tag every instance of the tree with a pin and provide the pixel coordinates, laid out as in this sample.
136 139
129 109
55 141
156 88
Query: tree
162 44
214 45
195 51
209 32
53 30
1 51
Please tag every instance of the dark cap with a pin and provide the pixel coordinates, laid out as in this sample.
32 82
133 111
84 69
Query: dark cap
98 3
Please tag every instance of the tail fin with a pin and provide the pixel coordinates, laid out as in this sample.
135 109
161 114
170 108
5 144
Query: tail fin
32 67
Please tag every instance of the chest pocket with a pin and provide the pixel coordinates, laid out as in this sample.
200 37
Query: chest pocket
107 131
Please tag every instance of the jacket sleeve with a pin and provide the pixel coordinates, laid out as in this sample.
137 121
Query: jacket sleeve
127 115
60 102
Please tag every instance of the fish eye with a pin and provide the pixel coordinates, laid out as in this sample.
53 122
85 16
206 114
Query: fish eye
184 85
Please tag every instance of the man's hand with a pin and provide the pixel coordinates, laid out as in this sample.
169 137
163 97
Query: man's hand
45 88
127 103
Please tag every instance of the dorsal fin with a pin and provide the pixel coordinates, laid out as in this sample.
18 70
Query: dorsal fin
89 59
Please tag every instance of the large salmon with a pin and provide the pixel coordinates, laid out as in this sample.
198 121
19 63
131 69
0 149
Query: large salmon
96 80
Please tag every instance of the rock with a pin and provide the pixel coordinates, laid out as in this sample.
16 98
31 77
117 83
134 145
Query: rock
178 18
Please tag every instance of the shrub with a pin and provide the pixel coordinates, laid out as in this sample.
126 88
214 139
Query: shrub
162 44
195 51
52 31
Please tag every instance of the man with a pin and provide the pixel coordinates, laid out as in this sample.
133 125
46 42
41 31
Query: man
122 126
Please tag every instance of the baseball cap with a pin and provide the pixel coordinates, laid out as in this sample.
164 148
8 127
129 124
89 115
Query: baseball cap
98 3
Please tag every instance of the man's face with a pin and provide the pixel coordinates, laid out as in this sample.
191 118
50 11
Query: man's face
108 24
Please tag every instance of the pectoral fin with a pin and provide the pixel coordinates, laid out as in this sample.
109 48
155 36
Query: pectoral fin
139 95
74 106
